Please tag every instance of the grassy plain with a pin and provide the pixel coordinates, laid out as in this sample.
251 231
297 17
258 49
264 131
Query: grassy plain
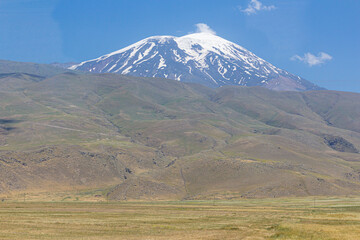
290 218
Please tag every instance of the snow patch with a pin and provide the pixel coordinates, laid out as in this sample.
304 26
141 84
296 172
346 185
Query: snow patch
162 63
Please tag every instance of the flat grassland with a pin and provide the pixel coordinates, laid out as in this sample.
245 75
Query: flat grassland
291 218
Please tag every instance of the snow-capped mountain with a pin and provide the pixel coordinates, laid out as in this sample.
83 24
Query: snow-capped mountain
201 58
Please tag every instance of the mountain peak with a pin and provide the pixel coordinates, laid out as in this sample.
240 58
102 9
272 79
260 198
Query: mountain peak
204 36
197 57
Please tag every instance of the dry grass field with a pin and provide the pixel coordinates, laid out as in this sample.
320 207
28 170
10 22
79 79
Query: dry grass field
291 218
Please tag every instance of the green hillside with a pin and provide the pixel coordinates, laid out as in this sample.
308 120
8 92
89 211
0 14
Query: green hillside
147 138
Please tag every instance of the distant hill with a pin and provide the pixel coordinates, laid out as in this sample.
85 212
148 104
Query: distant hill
152 138
199 58
64 65
43 70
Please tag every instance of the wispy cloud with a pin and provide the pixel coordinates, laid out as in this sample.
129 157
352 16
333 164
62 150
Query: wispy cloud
254 6
204 28
313 60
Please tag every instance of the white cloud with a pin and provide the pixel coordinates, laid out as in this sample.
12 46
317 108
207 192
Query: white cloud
204 28
313 60
255 6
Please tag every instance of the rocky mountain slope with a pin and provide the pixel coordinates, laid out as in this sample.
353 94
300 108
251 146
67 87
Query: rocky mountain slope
150 138
200 58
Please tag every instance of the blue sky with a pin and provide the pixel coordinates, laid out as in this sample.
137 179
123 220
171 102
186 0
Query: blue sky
316 39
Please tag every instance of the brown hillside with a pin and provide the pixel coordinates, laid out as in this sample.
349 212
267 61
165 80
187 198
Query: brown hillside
143 138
